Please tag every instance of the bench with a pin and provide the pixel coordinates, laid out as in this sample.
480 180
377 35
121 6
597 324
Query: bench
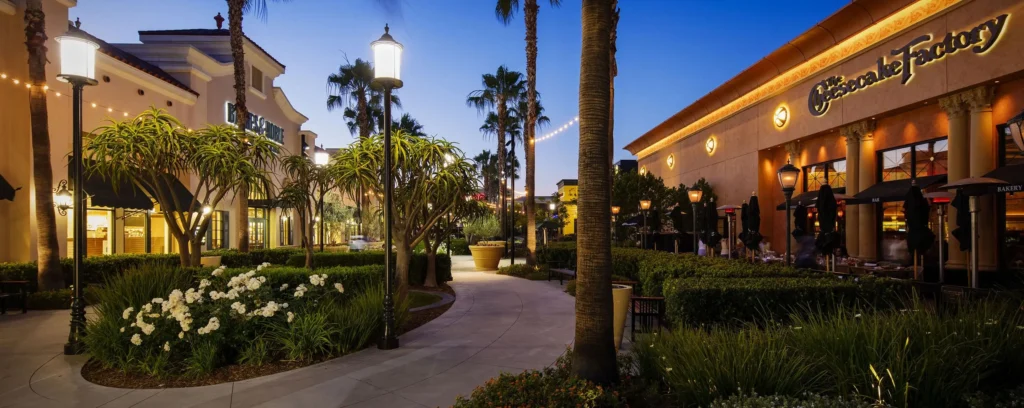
20 290
562 273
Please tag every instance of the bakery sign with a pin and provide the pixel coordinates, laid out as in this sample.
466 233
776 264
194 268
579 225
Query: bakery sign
918 52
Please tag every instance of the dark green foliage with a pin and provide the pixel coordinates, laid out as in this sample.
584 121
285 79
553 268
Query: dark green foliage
460 246
54 299
232 258
524 271
95 269
803 401
417 267
356 279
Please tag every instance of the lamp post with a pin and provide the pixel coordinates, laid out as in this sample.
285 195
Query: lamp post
387 65
321 158
615 212
551 209
788 175
512 212
77 67
695 194
645 205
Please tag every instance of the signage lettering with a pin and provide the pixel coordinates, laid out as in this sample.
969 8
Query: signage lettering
1010 189
256 124
876 200
911 55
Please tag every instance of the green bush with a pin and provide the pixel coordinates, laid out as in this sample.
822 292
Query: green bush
94 269
55 299
691 302
232 258
460 246
782 401
417 265
524 271
919 358
655 269
355 279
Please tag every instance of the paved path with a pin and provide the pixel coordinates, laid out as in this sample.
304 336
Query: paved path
497 324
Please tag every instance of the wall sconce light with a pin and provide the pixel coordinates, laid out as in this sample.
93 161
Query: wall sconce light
643 170
781 116
710 145
671 161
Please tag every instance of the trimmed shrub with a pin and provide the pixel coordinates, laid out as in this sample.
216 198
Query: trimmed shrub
232 258
524 271
803 401
54 299
417 266
95 269
356 279
656 268
460 246
691 302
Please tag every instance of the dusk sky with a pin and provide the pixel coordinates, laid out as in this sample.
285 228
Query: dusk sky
670 53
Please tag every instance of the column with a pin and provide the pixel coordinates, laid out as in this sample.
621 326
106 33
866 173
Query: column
852 187
868 174
958 155
983 160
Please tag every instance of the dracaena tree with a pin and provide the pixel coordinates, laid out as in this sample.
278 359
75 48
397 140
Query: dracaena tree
304 191
430 176
153 151
461 210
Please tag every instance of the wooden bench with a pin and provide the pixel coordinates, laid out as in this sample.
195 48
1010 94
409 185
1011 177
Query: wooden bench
562 273
12 289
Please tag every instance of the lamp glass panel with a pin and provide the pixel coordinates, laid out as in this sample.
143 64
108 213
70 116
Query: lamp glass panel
77 57
321 158
387 60
645 205
787 178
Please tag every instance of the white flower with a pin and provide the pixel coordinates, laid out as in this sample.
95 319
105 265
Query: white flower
265 264
260 267
291 316
136 339
148 329
857 315
668 369
181 335
148 307
299 293
284 305
217 272
167 346
211 326
339 287
238 307
262 279
284 286
122 330
158 300
127 313
204 283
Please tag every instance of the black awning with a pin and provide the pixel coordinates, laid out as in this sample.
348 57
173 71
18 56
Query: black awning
103 193
895 190
263 203
1011 174
806 198
6 189
179 196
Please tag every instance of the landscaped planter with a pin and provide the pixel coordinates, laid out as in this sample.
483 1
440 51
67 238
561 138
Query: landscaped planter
486 257
213 261
620 301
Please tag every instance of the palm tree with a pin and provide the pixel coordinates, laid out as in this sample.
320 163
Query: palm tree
505 10
501 91
409 125
487 164
236 8
49 273
593 356
352 83
614 66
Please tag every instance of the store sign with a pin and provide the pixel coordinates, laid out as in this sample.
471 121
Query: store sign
911 55
1014 188
256 124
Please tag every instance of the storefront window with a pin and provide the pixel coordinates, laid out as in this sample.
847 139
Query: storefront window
926 158
832 173
285 231
217 232
894 233
896 164
837 173
134 232
98 235
931 158
257 228
159 238
1013 235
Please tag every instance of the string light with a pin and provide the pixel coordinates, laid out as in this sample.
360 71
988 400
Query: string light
561 129
46 88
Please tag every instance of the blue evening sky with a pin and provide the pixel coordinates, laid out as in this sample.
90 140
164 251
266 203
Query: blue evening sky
670 53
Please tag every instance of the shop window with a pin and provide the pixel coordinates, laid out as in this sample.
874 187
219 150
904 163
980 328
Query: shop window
896 164
832 173
160 239
98 232
217 232
1013 238
285 231
257 228
894 233
134 232
257 79
929 158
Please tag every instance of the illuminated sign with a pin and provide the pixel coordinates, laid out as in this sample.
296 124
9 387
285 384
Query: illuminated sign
910 55
256 124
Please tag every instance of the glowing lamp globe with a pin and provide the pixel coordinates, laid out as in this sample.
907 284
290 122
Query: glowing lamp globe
695 194
387 60
615 210
321 158
645 205
551 206
77 59
788 176
62 199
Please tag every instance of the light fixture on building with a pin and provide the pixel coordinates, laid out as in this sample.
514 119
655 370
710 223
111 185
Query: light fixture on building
781 116
207 210
671 161
1014 126
645 205
62 198
615 210
643 170
316 219
710 145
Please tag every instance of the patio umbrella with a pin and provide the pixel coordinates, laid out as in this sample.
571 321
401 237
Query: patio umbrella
743 222
828 239
963 220
753 239
799 221
919 237
712 237
678 220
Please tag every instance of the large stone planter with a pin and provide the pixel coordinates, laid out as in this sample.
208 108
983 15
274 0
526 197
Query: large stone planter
213 261
620 300
486 258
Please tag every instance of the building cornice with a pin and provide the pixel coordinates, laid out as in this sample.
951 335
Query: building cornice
68 3
884 29
286 107
141 78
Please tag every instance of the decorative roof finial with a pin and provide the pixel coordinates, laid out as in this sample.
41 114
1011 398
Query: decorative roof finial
78 22
219 20
386 28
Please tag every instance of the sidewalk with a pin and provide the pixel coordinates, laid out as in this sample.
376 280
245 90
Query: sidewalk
497 324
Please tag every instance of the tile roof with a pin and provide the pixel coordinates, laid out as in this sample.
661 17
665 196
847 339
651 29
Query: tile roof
207 32
131 59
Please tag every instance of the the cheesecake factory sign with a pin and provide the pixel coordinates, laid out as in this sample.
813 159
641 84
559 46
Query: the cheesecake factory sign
918 52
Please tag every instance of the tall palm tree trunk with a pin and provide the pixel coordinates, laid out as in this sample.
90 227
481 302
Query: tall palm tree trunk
241 112
594 351
614 66
49 273
502 188
531 10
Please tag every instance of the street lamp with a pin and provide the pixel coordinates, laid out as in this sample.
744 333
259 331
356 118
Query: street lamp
387 66
77 67
644 206
615 212
695 194
788 175
62 198
321 159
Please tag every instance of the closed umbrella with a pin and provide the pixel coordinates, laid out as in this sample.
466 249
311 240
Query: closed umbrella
743 223
711 226
799 221
963 220
753 239
828 239
916 210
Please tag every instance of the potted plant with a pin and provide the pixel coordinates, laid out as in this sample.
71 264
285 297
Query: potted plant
486 254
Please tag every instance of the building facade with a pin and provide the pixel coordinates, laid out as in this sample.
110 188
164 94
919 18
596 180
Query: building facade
189 74
881 94
568 193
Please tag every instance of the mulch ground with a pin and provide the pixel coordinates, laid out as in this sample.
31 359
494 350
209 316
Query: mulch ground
94 372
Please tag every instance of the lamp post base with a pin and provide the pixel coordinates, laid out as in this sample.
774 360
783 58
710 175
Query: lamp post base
74 349
387 343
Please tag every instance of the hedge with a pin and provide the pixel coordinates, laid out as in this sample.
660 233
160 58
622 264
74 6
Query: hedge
737 301
417 266
232 258
95 269
460 246
356 279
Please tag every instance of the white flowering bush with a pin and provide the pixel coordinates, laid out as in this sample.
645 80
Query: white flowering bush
223 316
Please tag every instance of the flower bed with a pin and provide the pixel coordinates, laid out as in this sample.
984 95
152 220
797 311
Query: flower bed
168 323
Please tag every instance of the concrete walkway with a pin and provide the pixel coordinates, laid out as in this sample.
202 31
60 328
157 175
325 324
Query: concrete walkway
497 324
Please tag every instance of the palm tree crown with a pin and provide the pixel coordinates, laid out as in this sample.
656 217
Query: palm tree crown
352 87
